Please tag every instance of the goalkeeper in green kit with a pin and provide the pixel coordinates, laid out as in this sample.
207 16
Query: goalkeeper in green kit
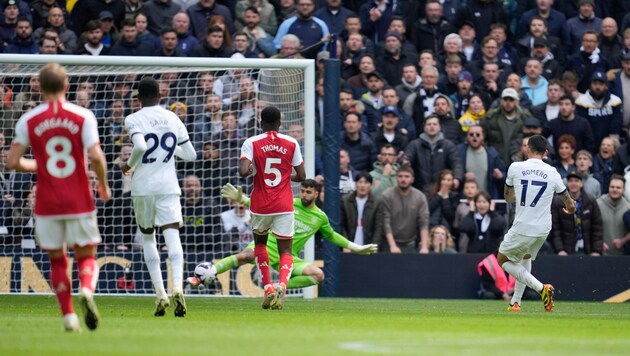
309 219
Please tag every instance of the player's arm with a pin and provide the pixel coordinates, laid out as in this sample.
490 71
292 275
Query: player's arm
15 159
245 167
508 194
98 163
139 148
339 240
186 151
569 203
300 174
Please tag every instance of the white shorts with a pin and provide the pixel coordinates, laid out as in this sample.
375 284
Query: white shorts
53 233
516 246
282 225
157 210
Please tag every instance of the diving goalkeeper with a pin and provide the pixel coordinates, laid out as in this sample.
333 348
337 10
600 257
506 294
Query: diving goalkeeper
308 220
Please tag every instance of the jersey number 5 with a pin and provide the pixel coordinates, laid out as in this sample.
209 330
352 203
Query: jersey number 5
535 183
274 171
60 163
165 143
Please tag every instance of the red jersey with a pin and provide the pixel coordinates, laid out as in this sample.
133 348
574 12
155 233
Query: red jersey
59 134
273 157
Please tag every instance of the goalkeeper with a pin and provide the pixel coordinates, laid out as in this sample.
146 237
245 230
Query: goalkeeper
308 220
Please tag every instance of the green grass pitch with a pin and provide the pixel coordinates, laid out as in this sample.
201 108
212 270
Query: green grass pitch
31 325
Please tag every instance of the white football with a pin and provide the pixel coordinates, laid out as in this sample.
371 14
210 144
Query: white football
203 274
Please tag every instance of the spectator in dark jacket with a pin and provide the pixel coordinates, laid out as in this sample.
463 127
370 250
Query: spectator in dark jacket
391 63
366 228
485 166
482 229
159 14
334 15
359 145
429 32
568 123
451 128
128 45
431 153
621 159
23 42
86 10
588 60
581 232
483 13
204 10
211 46
375 17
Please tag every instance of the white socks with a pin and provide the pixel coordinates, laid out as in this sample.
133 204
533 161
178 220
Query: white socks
522 275
519 287
152 259
176 255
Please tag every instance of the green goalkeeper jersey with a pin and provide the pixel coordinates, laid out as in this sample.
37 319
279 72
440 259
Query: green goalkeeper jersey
307 222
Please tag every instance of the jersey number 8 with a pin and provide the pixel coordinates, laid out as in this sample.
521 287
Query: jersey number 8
60 163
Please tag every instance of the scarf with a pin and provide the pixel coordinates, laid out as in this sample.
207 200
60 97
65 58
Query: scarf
594 57
483 227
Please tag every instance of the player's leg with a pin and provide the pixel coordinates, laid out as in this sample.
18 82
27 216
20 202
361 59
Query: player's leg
519 287
283 228
83 236
144 209
51 236
304 274
176 256
227 263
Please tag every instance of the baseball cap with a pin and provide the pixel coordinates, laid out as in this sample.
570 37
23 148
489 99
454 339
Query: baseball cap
575 174
10 3
375 74
600 76
323 55
467 23
465 75
585 2
531 122
391 110
393 34
509 93
105 15
540 41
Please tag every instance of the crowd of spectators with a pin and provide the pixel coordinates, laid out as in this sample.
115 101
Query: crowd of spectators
438 98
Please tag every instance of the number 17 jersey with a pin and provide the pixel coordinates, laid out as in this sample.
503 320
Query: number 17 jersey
535 183
273 157
155 173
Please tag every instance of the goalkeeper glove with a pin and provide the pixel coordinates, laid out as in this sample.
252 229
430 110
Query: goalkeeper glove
363 249
233 193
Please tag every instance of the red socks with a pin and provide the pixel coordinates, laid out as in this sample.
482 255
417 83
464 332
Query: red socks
262 261
286 266
61 284
88 272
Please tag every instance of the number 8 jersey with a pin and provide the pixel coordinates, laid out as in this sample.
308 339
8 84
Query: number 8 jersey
273 157
60 134
155 174
535 183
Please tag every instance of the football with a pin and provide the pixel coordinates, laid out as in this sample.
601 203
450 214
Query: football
203 274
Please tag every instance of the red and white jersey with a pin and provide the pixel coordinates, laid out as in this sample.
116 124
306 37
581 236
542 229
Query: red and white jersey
273 157
60 134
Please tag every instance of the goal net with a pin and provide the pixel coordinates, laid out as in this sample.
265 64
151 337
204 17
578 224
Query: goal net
217 99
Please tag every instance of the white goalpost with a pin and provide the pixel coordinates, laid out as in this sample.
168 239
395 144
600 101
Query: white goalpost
218 100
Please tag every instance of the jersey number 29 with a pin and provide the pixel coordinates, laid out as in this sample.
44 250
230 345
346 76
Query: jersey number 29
165 143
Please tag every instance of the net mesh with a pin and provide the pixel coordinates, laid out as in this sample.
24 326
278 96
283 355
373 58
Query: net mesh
218 107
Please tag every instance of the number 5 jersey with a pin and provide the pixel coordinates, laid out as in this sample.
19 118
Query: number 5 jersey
273 157
163 131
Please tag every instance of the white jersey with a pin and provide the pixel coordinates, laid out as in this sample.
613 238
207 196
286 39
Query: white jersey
535 183
155 173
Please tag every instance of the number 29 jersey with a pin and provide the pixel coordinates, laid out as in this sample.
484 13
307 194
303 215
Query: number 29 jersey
59 134
273 157
155 173
535 183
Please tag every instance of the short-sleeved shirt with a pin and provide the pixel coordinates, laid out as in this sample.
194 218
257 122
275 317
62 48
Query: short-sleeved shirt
59 134
273 157
535 183
155 174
